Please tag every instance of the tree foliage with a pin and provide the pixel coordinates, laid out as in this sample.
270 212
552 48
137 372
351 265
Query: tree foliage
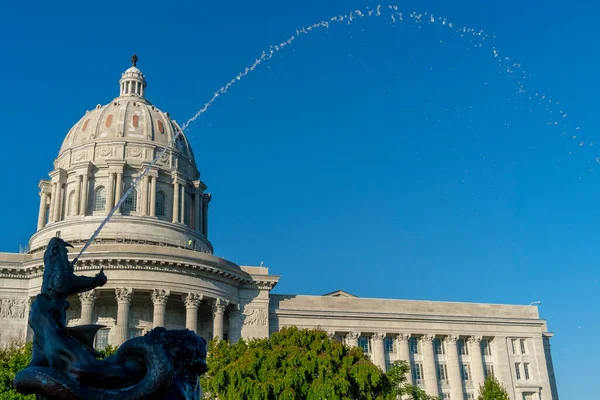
14 358
492 390
299 364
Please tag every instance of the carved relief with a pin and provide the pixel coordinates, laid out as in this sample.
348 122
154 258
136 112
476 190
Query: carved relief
13 308
105 152
192 300
135 153
123 295
80 156
164 158
254 317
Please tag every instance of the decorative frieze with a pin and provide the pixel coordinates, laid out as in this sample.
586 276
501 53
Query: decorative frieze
254 317
13 308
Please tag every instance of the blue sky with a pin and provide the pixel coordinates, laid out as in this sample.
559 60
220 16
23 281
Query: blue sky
386 160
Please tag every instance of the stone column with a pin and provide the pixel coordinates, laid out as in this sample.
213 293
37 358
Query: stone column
454 375
192 302
110 192
403 351
153 196
234 325
200 217
429 369
123 296
42 213
144 205
118 189
159 299
218 310
52 201
176 191
205 217
352 339
77 201
502 364
87 300
57 201
85 188
182 220
477 367
378 349
197 211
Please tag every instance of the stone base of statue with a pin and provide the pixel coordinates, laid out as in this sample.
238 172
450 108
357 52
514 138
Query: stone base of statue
163 364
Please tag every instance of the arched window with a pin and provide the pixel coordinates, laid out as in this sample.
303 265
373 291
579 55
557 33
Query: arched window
71 204
135 121
130 203
161 204
100 199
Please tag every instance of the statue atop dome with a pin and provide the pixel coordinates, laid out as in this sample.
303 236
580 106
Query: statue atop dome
134 60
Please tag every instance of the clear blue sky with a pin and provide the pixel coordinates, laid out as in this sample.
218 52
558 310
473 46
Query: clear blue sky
388 161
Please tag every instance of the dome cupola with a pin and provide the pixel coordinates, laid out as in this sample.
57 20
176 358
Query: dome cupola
133 82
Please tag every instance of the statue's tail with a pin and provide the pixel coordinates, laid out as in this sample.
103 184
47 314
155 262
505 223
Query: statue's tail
53 384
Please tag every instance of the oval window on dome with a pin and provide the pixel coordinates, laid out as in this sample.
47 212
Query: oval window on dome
161 127
85 124
135 121
108 120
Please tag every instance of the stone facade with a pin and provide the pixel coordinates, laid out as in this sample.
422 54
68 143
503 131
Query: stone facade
161 272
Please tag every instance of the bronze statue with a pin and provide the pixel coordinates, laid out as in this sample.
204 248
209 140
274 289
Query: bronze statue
162 364
134 60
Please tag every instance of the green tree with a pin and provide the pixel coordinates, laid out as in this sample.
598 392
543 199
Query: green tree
14 358
299 364
492 390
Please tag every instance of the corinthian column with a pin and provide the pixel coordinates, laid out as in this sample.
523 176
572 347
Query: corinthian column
52 201
87 300
76 203
42 213
153 196
218 312
454 376
57 202
159 299
123 296
144 205
403 351
234 326
476 361
192 302
85 187
110 192
378 350
429 370
176 191
352 339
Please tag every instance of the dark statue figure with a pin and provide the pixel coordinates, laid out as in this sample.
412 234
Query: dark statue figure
163 364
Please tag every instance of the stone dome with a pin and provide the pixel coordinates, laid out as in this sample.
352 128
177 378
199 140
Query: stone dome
129 117
102 156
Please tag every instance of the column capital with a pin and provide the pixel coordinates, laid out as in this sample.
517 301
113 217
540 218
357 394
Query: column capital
428 338
451 339
378 336
353 335
160 296
192 300
88 297
475 339
124 295
330 335
403 337
219 306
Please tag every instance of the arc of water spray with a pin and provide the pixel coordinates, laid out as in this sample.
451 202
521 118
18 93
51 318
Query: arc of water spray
395 15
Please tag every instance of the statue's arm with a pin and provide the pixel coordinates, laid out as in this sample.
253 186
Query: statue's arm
80 284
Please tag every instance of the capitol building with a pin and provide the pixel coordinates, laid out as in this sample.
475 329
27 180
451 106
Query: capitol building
161 269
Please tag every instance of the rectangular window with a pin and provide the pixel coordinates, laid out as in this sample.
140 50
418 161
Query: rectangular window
133 333
363 343
518 371
523 350
417 372
466 372
439 347
102 339
526 370
487 348
489 370
414 346
464 349
442 372
514 346
389 344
